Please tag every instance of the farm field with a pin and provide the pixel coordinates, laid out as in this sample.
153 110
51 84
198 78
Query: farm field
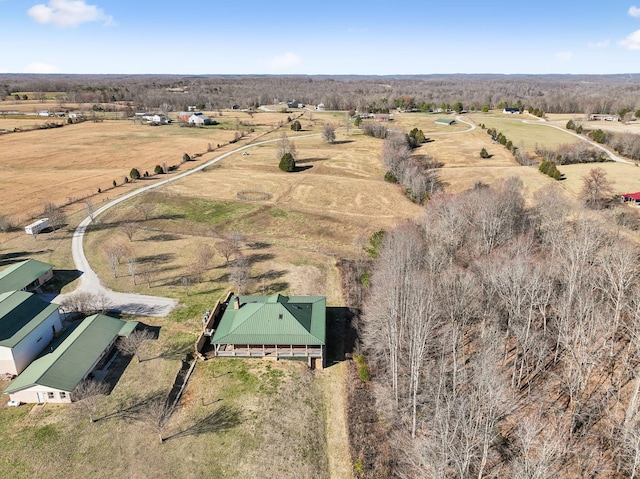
292 233
73 162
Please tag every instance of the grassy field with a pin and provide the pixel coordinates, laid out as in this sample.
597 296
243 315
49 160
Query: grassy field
237 419
241 418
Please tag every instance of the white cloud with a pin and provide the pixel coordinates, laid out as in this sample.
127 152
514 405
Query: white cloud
602 44
68 13
634 12
39 67
564 56
632 42
284 61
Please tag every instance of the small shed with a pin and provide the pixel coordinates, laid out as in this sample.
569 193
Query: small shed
445 121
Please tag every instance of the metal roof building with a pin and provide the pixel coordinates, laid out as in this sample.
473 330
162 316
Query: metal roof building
54 375
275 327
28 274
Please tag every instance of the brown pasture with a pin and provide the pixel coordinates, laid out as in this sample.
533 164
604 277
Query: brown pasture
70 163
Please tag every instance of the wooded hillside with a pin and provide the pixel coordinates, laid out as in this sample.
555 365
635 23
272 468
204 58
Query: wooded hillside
504 340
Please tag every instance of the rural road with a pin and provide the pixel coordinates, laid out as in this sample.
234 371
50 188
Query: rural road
611 155
131 303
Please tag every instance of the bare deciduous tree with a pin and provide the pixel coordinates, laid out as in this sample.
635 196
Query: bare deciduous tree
285 146
130 228
132 344
88 394
146 209
156 414
226 249
240 273
56 216
329 133
596 188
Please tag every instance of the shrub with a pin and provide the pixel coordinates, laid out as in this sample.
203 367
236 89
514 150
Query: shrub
484 153
296 126
158 170
363 370
390 177
571 125
186 157
134 174
287 162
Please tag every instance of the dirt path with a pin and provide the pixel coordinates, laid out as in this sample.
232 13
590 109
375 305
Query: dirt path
332 383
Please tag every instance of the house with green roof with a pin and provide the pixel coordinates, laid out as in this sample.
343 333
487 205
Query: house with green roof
276 327
80 351
25 275
27 326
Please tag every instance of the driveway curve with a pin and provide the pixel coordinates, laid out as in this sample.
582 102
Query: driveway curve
132 303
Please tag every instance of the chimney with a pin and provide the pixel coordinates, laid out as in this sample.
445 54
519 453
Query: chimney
236 302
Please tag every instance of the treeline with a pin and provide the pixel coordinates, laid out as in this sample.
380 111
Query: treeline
572 153
417 174
503 341
539 93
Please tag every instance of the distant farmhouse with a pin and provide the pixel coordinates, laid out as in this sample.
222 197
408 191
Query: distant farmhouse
512 111
81 351
295 104
27 326
156 119
631 197
26 275
604 117
272 327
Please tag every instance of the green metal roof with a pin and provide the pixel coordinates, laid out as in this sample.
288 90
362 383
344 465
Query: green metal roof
445 121
20 275
277 319
21 313
67 361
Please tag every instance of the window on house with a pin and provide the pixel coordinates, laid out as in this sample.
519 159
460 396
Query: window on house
50 395
63 395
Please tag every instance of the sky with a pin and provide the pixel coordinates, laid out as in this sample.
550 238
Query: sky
329 37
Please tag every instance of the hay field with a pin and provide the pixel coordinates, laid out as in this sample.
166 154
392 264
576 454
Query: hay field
72 162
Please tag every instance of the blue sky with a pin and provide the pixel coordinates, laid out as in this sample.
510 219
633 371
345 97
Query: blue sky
372 37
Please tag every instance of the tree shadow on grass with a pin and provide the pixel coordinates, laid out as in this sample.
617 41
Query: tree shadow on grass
298 169
259 258
273 288
130 408
258 245
163 237
342 142
310 160
270 275
222 419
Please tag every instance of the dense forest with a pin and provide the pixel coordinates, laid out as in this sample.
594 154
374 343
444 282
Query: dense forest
504 340
548 93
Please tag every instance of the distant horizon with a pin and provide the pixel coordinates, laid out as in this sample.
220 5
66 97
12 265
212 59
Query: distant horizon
373 38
